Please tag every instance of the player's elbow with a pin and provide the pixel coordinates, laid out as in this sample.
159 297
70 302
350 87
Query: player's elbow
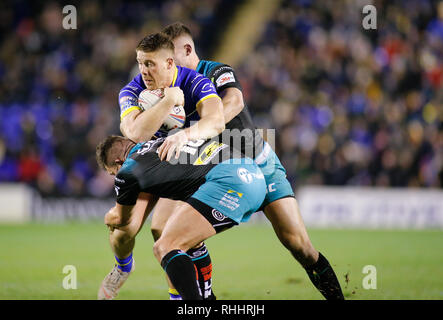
135 134
132 131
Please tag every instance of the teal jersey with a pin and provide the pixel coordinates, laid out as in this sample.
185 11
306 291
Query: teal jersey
223 77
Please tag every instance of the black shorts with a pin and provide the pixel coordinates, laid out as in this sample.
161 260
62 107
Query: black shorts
219 221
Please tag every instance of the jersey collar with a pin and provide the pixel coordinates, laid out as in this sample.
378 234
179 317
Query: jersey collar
174 79
199 66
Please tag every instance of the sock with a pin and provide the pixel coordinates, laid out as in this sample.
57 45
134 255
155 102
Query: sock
202 261
324 279
174 295
125 265
181 271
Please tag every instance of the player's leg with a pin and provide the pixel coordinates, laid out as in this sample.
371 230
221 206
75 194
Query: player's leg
122 242
231 193
288 225
281 208
199 254
163 210
183 230
287 222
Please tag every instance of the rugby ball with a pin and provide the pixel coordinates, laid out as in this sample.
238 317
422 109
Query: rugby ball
149 98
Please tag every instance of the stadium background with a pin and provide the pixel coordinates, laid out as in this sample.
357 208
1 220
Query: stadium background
354 111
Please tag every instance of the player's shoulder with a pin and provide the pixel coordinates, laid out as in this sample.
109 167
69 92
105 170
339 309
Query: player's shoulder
128 96
133 87
206 66
213 68
188 75
222 75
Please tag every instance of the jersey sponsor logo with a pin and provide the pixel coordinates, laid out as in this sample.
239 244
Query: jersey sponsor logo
209 153
218 215
128 102
245 175
227 77
208 87
221 69
238 193
230 201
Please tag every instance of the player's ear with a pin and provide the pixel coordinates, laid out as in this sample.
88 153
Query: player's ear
118 162
170 62
188 49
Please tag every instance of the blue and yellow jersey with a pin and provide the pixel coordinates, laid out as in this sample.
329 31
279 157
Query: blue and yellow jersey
196 89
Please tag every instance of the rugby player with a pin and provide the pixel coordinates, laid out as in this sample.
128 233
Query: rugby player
219 187
280 205
203 106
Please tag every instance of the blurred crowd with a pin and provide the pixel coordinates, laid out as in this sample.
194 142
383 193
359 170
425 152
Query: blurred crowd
59 88
350 106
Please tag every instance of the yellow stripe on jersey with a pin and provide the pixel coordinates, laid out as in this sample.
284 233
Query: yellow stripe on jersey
212 95
127 111
175 76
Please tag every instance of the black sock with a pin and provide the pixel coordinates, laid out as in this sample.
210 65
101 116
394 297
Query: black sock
181 271
202 261
324 279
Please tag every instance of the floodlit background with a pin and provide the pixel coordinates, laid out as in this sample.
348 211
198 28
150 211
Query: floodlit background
358 116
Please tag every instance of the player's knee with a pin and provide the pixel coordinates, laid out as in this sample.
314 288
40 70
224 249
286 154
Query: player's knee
156 233
161 248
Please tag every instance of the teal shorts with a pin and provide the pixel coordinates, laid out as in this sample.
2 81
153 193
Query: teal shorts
235 189
277 186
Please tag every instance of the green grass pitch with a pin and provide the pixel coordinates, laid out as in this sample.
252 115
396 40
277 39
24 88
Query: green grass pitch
249 263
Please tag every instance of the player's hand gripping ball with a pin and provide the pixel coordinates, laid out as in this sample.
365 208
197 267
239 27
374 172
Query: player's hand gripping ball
176 118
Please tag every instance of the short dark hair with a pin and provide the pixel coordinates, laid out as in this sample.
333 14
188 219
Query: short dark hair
104 148
154 42
176 30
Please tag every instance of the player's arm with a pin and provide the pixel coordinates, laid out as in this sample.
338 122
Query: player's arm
233 103
229 89
211 124
139 125
131 216
212 120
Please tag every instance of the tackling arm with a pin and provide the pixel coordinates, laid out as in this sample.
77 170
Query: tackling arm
233 103
212 120
131 218
211 124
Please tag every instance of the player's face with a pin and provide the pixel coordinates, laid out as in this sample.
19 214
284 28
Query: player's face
156 68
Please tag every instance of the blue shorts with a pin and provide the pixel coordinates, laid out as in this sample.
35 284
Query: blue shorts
235 189
277 186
